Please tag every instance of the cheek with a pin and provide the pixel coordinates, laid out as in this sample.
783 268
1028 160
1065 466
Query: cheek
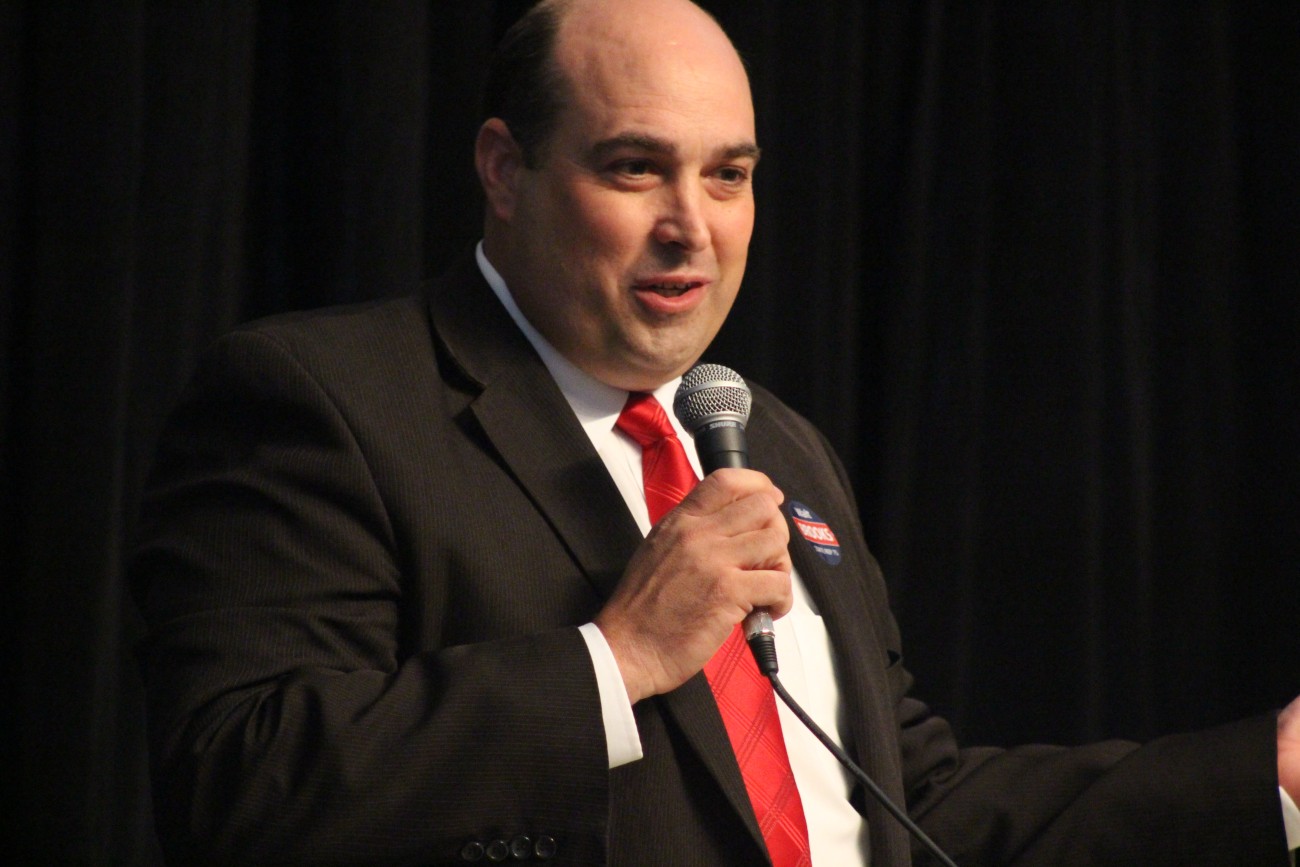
611 225
732 232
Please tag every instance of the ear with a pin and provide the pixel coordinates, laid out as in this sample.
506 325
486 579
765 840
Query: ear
499 160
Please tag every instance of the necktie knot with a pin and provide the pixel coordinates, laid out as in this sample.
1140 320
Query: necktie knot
644 420
665 470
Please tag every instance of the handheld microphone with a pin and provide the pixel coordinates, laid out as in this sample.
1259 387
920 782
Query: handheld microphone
713 403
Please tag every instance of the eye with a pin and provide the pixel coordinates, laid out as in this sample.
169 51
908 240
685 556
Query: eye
733 175
635 168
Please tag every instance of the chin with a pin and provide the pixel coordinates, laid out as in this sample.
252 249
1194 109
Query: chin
640 377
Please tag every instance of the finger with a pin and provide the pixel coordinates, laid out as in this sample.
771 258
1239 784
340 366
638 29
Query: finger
727 512
753 514
772 590
757 588
765 547
753 563
722 487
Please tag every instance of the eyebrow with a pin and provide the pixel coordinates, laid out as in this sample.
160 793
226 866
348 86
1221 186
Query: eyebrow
652 144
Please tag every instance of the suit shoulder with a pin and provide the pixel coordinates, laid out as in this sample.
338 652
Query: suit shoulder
344 328
357 354
782 437
770 411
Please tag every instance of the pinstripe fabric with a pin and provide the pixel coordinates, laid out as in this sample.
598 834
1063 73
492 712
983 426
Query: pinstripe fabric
744 696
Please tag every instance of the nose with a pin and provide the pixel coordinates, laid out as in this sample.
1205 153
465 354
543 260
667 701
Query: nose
682 222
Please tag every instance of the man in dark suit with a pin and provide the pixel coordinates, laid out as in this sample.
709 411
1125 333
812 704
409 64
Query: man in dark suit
406 603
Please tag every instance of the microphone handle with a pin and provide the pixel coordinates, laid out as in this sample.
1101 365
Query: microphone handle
722 444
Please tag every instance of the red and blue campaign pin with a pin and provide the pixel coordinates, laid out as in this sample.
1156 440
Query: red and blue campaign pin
816 532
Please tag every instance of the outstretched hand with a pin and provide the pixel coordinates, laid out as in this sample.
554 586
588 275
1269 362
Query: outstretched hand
1288 750
703 567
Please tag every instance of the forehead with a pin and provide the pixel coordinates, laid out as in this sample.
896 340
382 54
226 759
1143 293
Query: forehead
656 75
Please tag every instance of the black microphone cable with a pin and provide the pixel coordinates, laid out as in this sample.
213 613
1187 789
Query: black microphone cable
761 637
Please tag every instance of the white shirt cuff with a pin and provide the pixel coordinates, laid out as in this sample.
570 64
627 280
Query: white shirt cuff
622 740
1291 819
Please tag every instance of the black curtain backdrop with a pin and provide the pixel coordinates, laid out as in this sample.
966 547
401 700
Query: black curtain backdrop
1032 267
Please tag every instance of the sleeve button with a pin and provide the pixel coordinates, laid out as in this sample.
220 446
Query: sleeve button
498 850
472 851
521 848
545 848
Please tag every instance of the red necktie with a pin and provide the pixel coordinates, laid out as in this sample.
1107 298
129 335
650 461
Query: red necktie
744 696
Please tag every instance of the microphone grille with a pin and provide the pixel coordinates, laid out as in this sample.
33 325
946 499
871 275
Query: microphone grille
709 392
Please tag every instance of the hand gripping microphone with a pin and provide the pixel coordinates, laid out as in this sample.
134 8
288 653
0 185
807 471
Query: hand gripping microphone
713 403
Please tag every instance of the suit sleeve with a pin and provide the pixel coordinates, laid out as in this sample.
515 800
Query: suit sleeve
292 719
1207 798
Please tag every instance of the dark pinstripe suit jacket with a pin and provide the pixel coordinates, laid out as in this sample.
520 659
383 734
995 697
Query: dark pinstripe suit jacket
369 534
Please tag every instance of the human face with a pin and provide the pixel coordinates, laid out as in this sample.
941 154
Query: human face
627 243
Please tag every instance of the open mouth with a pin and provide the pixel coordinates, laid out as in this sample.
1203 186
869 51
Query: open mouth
669 296
671 290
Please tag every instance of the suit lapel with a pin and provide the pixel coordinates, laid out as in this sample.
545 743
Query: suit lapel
534 430
526 418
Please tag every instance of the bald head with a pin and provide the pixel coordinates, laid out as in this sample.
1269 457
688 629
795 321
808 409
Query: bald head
535 66
666 24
